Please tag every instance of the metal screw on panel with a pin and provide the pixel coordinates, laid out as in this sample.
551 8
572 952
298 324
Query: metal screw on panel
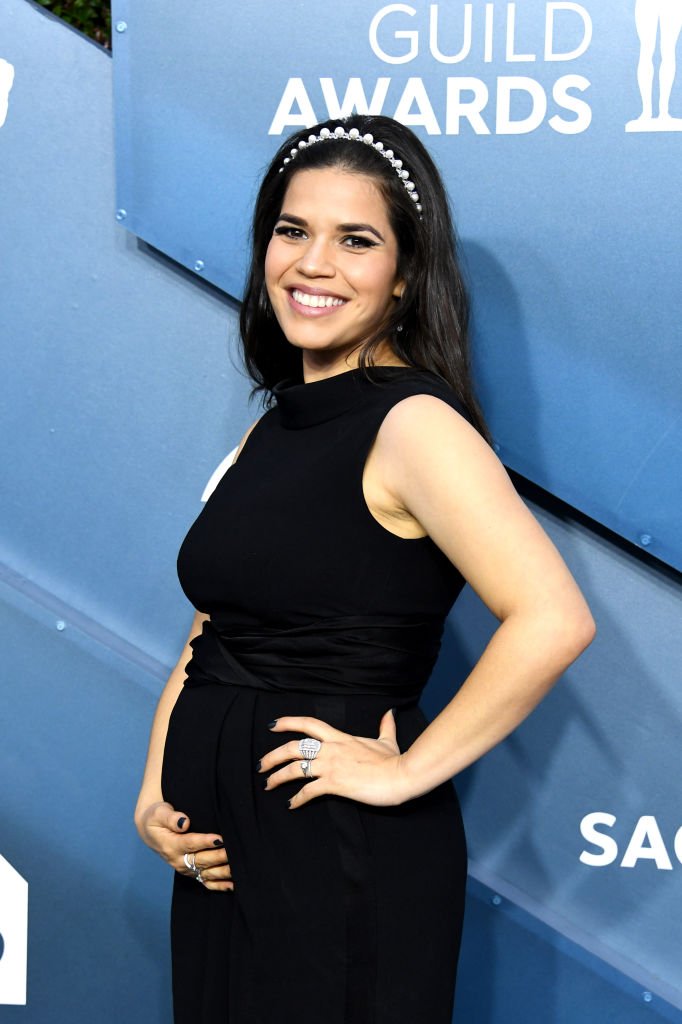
60 624
496 900
199 266
121 214
121 26
647 997
645 539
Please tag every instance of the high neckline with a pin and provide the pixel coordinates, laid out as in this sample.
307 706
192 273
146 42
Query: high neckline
304 405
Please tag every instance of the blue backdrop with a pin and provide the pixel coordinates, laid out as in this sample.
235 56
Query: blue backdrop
566 199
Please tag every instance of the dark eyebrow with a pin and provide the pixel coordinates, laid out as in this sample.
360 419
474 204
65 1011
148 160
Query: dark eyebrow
347 228
361 227
293 220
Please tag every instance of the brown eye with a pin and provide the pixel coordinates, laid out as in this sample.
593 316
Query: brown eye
289 232
358 242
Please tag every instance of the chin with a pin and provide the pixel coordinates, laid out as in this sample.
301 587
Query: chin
315 344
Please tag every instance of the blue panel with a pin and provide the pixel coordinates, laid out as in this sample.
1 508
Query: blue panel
571 223
514 970
112 359
98 918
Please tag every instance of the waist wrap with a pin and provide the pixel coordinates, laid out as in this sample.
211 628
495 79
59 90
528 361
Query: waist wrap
341 656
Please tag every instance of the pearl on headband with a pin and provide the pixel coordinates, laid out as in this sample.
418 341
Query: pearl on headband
329 135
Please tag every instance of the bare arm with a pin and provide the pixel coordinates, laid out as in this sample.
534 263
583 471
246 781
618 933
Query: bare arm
150 791
441 472
164 828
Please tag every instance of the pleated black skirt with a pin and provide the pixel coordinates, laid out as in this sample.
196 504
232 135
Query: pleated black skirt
341 912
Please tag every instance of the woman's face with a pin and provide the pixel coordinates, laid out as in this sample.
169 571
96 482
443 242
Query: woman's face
331 265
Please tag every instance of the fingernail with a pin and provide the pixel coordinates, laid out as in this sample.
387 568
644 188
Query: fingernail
181 822
289 804
258 767
272 724
266 784
217 842
393 711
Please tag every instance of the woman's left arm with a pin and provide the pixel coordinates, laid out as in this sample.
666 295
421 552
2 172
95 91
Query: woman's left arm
443 473
438 470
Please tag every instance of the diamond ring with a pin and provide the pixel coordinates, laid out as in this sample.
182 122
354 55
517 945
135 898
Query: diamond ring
309 748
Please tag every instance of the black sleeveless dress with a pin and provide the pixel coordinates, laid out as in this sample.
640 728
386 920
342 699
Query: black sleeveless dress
342 912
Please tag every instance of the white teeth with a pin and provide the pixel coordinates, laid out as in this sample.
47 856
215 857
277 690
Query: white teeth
315 301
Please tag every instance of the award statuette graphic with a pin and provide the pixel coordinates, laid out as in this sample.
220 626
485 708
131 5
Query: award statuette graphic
657 20
13 935
6 82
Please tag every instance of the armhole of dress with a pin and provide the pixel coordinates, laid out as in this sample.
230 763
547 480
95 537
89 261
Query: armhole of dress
230 459
448 399
368 443
218 473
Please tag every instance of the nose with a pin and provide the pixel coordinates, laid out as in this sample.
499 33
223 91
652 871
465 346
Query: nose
315 259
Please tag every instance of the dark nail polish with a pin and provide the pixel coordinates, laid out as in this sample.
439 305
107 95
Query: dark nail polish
258 767
217 842
272 724
393 711
289 804
266 784
181 822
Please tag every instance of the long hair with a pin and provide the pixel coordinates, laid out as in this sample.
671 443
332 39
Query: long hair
433 311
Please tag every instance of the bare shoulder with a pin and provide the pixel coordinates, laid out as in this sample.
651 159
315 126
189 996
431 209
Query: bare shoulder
447 476
428 454
425 423
424 453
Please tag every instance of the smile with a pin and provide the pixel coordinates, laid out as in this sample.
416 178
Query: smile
316 301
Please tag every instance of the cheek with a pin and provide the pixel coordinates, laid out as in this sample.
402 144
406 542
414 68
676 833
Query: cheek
371 280
381 286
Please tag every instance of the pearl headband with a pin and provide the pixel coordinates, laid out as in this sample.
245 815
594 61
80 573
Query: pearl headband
326 135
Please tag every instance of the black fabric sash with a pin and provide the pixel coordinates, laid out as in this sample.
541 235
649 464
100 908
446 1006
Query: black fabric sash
337 656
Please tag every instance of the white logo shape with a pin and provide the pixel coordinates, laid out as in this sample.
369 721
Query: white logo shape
13 935
660 19
6 82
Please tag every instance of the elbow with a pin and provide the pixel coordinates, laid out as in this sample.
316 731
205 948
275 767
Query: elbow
563 632
578 631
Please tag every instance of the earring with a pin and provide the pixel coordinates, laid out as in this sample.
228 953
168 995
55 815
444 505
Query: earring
399 327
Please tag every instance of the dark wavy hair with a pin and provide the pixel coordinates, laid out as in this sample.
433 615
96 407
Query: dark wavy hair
433 312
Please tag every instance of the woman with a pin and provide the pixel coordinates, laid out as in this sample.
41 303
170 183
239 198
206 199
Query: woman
291 770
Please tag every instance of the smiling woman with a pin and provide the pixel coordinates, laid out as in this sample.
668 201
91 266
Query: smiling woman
291 770
332 282
426 324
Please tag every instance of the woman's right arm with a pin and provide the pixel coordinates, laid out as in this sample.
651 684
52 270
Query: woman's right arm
150 792
160 825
